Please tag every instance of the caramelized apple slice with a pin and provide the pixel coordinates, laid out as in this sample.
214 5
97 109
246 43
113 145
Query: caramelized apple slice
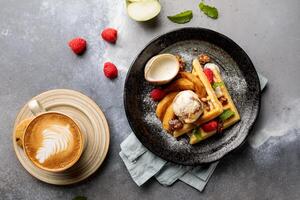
169 115
179 85
198 85
164 104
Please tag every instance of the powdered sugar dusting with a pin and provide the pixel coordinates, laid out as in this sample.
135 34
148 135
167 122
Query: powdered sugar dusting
150 117
149 107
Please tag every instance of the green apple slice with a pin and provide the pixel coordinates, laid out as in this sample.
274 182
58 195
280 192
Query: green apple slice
143 10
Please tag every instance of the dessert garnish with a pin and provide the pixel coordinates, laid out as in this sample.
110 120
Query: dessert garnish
203 58
211 66
157 94
175 124
161 69
209 74
210 126
226 114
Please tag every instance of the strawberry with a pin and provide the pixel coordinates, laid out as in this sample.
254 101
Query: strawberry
157 94
210 126
78 45
110 35
209 74
110 70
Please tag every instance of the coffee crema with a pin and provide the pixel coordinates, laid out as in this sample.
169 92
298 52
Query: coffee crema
53 141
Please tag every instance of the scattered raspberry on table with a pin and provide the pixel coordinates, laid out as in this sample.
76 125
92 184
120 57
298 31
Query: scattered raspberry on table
110 70
110 35
78 45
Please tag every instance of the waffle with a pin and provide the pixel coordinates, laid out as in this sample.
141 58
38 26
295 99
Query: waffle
201 135
230 105
215 107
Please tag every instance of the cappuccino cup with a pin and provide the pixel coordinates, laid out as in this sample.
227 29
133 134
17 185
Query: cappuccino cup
52 140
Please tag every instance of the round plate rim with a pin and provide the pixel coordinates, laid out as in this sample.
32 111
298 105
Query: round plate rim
252 122
105 125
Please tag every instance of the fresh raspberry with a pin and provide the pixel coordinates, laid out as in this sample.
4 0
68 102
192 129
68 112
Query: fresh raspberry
78 45
210 126
110 70
209 74
110 35
157 94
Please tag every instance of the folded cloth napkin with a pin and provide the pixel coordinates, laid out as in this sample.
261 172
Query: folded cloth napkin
143 165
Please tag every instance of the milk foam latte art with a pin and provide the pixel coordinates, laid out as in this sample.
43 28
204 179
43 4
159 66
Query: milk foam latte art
53 141
56 139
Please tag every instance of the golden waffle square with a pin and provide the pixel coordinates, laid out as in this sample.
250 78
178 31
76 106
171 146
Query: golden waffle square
230 105
215 105
201 135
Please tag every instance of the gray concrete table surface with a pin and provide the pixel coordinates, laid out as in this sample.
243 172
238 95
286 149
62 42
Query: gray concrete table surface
34 57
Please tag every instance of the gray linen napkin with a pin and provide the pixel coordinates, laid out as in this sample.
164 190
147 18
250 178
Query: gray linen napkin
142 164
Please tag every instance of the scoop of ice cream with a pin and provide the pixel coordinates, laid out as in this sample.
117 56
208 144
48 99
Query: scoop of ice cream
187 106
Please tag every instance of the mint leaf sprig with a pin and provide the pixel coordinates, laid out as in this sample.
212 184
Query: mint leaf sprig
182 18
226 114
210 11
217 84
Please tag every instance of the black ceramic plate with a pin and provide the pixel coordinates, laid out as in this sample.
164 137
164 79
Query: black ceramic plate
239 75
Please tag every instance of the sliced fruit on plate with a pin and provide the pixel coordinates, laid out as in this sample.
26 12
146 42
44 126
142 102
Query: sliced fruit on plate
143 10
169 115
163 105
179 85
199 87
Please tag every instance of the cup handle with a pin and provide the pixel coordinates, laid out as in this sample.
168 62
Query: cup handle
35 107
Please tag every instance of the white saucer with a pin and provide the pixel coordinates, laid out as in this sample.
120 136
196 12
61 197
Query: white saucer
92 123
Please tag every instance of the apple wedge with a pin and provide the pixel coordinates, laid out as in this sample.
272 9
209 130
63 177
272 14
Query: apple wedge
143 10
